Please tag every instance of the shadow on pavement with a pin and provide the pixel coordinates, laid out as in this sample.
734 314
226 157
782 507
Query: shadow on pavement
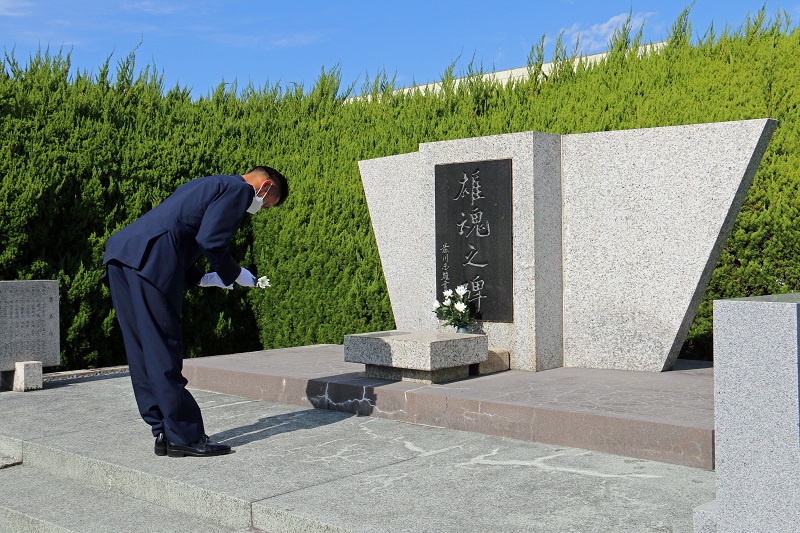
275 425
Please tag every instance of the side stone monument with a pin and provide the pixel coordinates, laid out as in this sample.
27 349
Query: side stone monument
590 250
757 416
29 332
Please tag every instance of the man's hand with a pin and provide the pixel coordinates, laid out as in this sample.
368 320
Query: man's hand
246 278
212 279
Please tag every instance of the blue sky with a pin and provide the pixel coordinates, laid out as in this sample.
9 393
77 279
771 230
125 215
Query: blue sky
199 43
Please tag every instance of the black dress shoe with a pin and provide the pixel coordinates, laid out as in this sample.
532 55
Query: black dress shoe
161 445
202 448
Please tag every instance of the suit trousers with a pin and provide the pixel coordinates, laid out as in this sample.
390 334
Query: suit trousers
151 331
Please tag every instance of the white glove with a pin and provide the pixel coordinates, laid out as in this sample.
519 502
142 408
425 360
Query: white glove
246 278
212 279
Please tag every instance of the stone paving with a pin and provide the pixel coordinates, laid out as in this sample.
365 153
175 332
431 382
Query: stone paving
664 416
82 448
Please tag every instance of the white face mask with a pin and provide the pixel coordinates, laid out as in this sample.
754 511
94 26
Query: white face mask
257 203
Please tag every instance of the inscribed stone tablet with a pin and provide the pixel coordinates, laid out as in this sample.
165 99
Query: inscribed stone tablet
474 235
29 323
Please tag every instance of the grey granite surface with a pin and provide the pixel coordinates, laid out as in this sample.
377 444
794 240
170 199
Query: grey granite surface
29 323
646 214
757 411
666 416
27 376
302 469
404 227
616 235
419 350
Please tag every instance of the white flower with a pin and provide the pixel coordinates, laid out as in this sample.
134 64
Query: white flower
447 294
461 290
460 306
436 304
447 302
263 282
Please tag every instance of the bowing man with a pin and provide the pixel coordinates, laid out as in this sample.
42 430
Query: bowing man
150 263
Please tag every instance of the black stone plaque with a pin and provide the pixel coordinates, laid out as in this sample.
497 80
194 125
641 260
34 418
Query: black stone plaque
474 235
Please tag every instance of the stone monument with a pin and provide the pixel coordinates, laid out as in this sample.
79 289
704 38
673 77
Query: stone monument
29 332
588 250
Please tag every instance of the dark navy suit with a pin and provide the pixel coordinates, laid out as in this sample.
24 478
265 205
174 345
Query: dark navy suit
149 265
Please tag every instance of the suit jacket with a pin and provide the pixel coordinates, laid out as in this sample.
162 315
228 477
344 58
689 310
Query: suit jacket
198 219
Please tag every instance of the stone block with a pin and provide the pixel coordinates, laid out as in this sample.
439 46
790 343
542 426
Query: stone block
420 350
28 376
498 360
646 214
424 356
440 375
756 411
29 329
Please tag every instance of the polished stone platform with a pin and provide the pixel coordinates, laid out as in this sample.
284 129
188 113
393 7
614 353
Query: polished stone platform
665 416
76 458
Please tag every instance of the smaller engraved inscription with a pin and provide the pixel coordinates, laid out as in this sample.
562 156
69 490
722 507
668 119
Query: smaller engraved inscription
474 235
29 323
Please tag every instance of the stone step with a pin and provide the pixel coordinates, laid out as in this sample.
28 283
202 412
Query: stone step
219 493
297 469
145 486
33 499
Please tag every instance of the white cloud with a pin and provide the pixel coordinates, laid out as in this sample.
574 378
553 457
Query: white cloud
46 40
153 8
295 40
290 40
596 37
14 8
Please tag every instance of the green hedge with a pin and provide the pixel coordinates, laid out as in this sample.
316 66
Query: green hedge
83 155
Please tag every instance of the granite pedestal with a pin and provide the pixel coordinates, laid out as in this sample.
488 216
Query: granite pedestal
664 416
422 356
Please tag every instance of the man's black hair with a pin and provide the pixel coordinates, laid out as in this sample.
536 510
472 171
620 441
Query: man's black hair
278 179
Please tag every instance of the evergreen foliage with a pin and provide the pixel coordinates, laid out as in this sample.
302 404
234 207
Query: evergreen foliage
81 156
